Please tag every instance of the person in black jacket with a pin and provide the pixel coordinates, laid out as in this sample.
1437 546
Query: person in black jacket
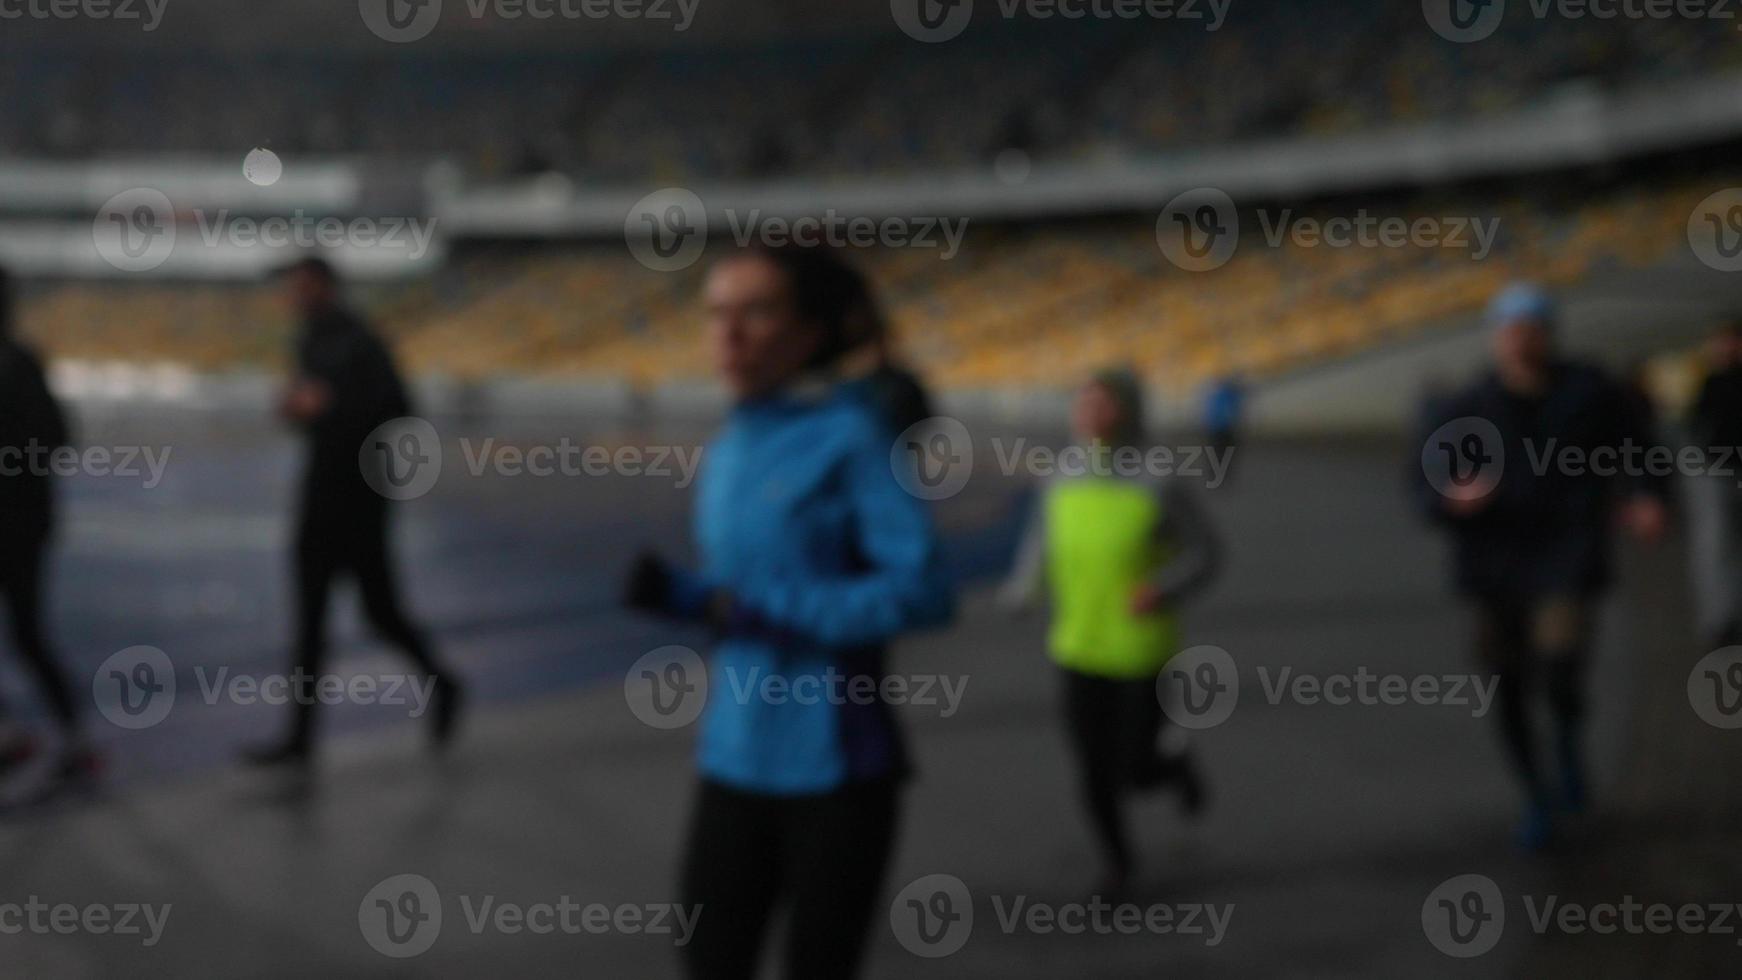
345 387
1530 516
31 427
1714 424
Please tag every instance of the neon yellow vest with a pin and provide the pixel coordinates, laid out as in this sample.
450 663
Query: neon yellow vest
1101 546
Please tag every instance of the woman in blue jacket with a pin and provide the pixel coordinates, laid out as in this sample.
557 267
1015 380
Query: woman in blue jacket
812 558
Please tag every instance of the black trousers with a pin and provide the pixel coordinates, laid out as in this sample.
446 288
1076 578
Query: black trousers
1531 645
22 563
1113 727
331 546
822 858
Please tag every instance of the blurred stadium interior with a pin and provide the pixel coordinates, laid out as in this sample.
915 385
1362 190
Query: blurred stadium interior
992 317
858 98
524 149
1590 141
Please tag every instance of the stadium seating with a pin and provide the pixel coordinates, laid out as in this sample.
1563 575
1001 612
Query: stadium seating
859 103
1026 305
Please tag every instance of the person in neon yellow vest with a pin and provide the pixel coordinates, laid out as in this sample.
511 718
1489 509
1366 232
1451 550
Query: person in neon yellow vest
1118 548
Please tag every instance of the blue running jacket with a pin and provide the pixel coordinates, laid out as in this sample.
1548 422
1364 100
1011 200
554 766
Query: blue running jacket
800 518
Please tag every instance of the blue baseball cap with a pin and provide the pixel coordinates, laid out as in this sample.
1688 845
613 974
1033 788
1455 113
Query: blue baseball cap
1522 301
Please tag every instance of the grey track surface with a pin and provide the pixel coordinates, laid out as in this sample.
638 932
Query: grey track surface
1328 829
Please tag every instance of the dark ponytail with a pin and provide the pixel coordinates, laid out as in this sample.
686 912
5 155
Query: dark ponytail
829 293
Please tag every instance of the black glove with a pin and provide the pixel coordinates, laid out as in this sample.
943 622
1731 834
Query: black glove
648 585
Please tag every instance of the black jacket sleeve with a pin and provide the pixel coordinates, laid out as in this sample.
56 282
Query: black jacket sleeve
31 413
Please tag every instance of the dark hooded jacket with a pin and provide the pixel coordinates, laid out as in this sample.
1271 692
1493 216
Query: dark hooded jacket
1547 530
31 426
339 350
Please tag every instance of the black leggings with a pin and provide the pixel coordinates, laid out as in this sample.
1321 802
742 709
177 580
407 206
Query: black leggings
21 571
1529 644
821 857
357 546
1114 726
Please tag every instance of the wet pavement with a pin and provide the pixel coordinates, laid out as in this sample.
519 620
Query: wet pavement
1332 826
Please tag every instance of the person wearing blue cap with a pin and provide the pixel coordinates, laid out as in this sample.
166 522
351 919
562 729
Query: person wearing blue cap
1714 426
1529 517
